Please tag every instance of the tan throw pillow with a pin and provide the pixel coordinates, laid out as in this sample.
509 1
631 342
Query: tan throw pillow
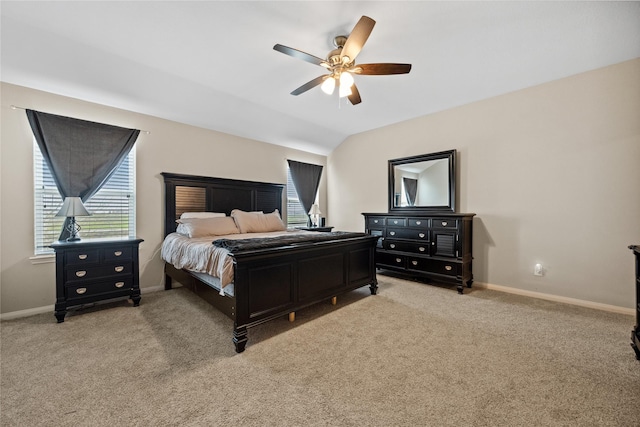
202 227
255 222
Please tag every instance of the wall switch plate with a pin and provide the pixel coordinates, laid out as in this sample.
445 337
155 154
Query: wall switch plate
538 270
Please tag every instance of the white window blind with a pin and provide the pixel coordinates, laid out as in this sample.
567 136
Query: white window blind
112 208
296 216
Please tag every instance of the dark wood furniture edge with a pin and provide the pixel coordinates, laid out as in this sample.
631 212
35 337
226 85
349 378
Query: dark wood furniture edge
635 333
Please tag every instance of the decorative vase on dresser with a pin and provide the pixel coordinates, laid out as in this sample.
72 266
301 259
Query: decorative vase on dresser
92 270
422 235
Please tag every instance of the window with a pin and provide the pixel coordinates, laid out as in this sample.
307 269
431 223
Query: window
112 208
296 216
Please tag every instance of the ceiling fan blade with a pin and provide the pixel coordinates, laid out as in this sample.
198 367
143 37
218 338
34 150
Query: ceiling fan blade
382 69
354 98
300 55
357 38
309 85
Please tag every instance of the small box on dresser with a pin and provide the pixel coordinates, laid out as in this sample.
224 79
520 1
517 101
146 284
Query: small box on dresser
92 270
436 246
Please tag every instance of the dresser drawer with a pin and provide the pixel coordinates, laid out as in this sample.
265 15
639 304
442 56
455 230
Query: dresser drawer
375 221
434 266
117 253
83 256
77 273
85 290
408 233
418 222
418 248
391 259
444 223
396 222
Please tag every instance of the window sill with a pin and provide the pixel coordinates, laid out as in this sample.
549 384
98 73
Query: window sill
43 259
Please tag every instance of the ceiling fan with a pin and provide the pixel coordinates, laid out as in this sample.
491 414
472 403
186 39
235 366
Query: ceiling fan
340 63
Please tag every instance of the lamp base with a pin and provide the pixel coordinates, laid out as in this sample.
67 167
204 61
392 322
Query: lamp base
74 228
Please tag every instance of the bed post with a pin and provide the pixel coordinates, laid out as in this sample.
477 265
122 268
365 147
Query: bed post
239 338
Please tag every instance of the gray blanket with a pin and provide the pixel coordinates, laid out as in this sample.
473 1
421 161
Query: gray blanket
239 245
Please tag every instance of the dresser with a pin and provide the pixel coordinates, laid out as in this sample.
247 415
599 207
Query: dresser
635 334
437 246
92 270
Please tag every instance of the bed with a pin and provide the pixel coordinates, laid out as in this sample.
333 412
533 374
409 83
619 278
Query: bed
268 281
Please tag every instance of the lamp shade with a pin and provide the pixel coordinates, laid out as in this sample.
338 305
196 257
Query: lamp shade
72 207
315 210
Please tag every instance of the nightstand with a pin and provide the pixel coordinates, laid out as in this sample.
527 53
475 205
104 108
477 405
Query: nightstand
325 229
92 270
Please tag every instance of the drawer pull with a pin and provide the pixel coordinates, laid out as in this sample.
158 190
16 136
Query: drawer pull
422 249
81 273
448 267
393 233
418 222
414 262
444 223
398 259
119 284
392 246
375 221
421 235
81 290
119 269
82 256
117 253
395 221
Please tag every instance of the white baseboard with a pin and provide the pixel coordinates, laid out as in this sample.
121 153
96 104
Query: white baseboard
556 298
50 308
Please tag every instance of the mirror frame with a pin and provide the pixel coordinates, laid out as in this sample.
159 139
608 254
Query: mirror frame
450 155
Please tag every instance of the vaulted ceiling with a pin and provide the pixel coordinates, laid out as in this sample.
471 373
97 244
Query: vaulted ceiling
211 63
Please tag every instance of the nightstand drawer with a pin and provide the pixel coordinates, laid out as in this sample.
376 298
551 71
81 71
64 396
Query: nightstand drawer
117 253
77 273
84 290
83 256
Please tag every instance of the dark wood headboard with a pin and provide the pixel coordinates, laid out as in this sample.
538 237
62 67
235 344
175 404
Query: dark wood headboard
191 193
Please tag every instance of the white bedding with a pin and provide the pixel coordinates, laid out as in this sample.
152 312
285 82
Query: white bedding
201 256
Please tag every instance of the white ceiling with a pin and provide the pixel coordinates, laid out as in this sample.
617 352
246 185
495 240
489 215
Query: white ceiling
212 64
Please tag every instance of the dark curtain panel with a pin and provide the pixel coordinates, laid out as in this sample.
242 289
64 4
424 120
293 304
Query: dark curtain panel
306 179
410 189
81 155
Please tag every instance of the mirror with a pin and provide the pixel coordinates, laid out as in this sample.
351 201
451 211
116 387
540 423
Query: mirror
424 183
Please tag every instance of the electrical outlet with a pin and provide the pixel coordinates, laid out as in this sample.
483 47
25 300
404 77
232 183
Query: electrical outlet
538 270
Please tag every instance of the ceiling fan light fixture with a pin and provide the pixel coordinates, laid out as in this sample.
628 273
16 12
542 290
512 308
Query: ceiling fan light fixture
328 85
344 90
346 79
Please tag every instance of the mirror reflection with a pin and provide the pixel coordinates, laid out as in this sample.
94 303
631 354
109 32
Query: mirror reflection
422 184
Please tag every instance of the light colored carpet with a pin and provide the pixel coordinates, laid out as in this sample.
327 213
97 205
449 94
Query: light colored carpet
413 355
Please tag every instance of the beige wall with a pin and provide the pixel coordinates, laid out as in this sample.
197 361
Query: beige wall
171 147
552 172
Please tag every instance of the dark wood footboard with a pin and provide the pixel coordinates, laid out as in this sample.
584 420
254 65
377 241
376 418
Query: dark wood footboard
276 282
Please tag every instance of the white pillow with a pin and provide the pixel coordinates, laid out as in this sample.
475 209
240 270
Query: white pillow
202 214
